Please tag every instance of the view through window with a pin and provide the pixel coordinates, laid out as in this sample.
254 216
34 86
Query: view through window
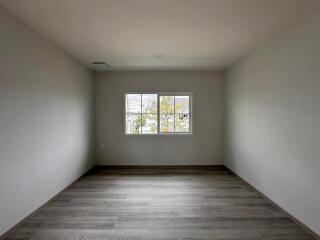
153 113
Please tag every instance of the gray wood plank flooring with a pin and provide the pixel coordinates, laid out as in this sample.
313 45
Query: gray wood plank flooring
159 204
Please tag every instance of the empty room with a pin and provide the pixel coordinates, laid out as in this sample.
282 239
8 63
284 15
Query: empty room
159 119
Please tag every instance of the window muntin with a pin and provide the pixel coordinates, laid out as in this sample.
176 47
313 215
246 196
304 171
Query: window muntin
174 113
141 114
152 113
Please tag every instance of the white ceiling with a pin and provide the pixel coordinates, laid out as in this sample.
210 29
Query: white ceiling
159 34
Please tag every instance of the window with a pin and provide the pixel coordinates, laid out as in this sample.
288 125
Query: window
153 113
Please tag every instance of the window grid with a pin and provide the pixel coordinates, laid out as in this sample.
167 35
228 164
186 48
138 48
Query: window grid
174 95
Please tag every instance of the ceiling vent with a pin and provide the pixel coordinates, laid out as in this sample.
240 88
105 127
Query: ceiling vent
102 64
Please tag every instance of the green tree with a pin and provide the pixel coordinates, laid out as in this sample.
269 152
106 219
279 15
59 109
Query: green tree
148 116
169 111
166 113
139 122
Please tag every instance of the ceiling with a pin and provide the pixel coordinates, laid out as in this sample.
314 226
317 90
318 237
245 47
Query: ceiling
159 34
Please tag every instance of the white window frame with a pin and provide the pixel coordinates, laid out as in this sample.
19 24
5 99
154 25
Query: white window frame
158 114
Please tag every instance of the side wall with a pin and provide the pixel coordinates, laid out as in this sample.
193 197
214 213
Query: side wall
45 121
273 127
204 147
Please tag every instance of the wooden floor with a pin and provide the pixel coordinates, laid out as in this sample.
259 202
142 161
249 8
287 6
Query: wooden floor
159 204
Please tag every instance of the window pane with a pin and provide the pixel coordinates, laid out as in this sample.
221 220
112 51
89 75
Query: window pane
182 104
133 103
149 123
133 123
144 113
182 122
149 103
166 104
166 123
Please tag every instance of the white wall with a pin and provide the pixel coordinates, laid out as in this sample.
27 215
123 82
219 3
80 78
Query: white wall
273 113
204 147
45 120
